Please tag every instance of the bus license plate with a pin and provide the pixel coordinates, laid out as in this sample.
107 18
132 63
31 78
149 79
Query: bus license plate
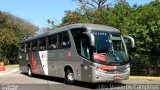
117 77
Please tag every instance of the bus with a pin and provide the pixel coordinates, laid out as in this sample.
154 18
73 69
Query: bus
78 52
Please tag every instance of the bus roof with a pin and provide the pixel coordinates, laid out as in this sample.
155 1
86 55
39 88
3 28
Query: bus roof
35 37
96 27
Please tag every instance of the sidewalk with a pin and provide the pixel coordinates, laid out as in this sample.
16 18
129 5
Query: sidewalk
9 69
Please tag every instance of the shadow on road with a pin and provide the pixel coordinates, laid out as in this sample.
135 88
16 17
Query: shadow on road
106 85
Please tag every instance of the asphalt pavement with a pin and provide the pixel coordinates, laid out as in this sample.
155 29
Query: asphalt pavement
13 79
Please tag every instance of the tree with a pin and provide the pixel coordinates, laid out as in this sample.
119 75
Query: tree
136 21
12 31
73 17
85 4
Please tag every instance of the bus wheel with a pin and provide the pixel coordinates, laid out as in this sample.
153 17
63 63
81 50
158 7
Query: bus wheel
29 71
69 76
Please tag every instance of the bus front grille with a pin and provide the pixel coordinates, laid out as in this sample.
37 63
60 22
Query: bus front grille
115 71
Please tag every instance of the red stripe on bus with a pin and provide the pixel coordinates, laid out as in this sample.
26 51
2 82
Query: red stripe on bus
34 64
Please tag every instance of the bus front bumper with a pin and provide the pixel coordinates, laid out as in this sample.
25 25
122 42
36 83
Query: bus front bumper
100 76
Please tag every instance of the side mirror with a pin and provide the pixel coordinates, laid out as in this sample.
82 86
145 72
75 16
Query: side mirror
132 40
91 36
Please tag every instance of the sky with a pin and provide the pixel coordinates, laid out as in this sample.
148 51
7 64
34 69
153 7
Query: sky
38 11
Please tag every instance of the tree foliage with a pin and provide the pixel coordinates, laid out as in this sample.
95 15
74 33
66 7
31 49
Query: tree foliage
86 4
141 22
95 4
12 31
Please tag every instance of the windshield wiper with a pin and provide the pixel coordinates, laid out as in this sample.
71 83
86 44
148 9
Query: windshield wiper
121 56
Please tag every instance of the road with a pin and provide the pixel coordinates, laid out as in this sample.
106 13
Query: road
13 79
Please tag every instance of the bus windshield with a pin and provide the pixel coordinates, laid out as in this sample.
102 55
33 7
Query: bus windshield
109 49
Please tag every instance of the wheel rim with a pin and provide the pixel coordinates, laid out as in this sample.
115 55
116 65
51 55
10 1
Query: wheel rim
70 77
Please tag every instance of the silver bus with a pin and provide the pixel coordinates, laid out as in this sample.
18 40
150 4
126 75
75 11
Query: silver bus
84 52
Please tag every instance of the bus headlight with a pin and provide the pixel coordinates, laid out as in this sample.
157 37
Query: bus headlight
100 70
128 66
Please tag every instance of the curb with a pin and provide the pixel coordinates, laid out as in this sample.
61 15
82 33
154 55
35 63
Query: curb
144 78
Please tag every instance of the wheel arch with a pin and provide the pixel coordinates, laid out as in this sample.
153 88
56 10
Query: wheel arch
68 67
29 65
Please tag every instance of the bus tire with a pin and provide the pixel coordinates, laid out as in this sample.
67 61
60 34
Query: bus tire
69 77
29 71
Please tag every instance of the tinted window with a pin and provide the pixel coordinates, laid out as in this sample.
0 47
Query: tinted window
28 47
42 44
22 48
35 45
63 40
52 42
102 44
82 43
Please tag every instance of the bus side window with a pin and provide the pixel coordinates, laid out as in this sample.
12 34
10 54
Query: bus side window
35 45
28 47
42 44
52 42
85 46
82 42
64 41
22 48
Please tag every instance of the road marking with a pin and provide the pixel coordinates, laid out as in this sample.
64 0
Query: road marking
144 77
7 73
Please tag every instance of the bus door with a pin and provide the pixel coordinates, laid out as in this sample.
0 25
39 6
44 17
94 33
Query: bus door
82 43
86 71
